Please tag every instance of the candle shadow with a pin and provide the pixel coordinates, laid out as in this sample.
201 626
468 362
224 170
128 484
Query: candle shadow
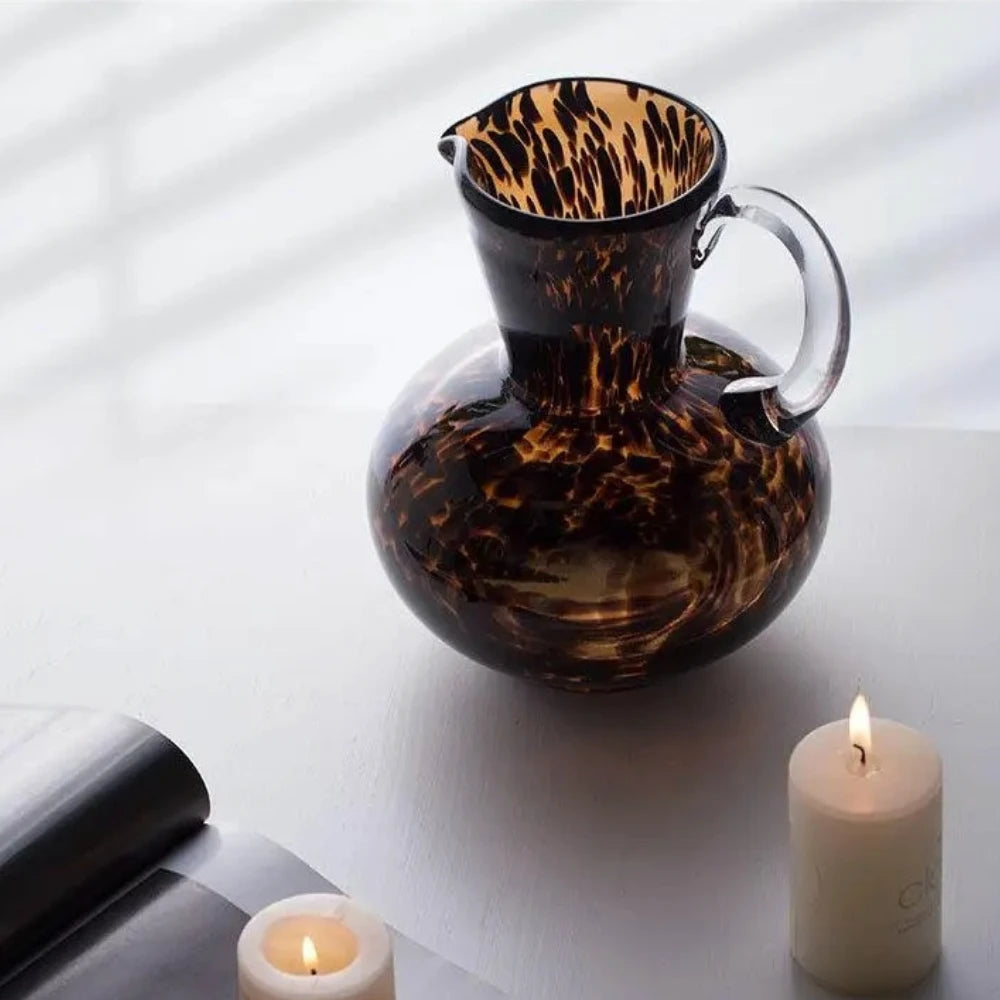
937 985
670 800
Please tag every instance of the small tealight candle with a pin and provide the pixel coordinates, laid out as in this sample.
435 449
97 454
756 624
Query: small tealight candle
865 810
320 947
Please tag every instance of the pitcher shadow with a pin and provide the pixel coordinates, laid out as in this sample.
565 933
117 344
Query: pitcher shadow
678 788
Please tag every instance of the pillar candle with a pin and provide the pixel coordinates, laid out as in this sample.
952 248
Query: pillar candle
865 812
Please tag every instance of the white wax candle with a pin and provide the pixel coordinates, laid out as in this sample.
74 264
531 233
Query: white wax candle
316 947
865 810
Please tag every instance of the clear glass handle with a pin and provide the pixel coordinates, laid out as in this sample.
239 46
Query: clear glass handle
770 409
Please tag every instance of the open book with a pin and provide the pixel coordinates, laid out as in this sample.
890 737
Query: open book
112 886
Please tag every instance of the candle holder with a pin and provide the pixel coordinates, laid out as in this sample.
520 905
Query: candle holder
315 947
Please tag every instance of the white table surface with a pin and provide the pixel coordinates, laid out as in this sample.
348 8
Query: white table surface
209 570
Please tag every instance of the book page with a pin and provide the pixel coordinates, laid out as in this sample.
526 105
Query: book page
252 872
173 935
165 938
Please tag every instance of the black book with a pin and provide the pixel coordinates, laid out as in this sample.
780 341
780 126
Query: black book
114 887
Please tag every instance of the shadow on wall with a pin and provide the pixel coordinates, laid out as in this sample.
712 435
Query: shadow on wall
49 24
328 122
129 336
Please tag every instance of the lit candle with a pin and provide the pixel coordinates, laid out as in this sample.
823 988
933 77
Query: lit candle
317 947
865 809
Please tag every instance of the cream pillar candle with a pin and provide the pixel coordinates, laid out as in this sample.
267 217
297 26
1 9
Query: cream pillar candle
865 810
316 947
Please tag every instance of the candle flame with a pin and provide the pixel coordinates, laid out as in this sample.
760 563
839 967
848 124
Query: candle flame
309 956
860 726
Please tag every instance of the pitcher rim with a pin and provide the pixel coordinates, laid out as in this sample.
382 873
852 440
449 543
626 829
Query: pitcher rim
535 224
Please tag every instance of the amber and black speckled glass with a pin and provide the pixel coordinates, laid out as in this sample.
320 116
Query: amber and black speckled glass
599 490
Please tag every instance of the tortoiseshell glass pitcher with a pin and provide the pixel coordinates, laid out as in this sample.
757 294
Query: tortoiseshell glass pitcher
599 490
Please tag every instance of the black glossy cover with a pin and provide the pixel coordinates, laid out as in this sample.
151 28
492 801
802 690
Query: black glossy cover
88 802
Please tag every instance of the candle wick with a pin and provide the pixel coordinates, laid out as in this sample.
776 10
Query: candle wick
312 972
861 749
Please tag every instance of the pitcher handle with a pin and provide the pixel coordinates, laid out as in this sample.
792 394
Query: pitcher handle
770 409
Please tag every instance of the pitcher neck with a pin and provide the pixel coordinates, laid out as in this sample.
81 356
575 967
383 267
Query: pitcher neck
593 368
590 320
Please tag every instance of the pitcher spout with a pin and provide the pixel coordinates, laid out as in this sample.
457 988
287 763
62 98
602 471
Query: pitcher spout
455 149
450 145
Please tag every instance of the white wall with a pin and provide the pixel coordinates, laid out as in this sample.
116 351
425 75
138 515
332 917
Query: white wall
228 205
